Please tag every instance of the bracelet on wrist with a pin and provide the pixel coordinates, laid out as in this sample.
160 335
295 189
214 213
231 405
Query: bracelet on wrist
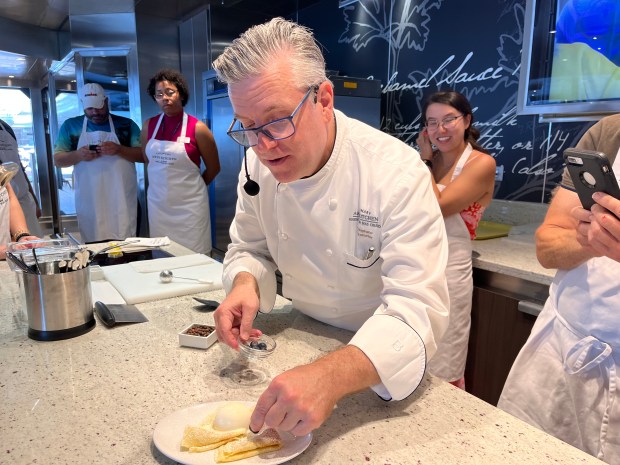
428 163
20 235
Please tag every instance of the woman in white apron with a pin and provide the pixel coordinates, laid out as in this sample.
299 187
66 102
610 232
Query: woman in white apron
174 144
106 191
565 378
463 179
20 183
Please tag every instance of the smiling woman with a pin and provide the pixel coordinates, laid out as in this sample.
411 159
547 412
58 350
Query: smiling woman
463 176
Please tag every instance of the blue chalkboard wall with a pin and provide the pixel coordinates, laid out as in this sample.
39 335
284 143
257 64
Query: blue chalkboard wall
417 48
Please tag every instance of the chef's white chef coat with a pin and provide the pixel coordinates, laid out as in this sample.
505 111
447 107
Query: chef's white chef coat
565 378
374 191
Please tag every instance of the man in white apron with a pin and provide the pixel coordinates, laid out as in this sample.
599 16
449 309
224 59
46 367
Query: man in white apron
565 379
20 183
103 149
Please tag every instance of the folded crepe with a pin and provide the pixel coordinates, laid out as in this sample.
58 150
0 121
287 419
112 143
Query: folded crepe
205 437
249 446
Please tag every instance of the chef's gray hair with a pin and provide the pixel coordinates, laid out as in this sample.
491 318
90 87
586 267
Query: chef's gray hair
252 53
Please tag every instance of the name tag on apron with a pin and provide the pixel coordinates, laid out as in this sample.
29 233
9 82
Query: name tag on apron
183 140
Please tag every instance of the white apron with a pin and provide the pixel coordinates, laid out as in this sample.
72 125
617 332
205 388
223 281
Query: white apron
106 191
5 230
9 152
178 202
448 362
564 380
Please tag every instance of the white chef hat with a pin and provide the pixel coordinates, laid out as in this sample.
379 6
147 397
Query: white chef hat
92 95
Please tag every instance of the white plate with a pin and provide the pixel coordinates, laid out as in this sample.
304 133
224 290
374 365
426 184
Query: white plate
169 432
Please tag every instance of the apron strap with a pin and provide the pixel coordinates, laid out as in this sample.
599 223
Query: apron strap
462 160
161 117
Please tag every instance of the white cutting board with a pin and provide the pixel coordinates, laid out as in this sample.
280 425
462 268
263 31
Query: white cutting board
139 281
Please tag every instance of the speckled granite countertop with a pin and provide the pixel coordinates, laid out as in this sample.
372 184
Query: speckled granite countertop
514 255
96 398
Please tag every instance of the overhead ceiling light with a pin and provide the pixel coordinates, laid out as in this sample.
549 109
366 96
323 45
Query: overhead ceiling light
11 76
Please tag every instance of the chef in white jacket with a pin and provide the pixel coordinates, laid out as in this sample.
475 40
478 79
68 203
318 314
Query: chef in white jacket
565 379
348 216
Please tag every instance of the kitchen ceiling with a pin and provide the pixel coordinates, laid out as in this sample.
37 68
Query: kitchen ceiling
54 15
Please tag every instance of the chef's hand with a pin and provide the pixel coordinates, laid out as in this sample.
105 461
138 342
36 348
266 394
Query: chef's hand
235 315
109 148
424 143
298 400
599 229
86 154
301 399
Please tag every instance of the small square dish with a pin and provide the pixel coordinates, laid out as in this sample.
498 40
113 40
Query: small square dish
197 335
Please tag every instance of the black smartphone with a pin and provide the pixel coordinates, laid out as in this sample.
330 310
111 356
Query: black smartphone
590 172
93 147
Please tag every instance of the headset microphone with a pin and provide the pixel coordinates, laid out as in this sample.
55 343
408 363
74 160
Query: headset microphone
250 187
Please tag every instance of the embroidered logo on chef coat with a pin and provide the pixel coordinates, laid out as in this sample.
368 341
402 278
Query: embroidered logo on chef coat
367 223
365 218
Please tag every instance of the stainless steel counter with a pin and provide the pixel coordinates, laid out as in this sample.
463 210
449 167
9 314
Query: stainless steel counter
97 398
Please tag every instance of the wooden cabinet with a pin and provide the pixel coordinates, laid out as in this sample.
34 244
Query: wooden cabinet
499 328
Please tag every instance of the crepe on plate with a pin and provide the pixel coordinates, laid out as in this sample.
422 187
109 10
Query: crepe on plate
229 421
249 446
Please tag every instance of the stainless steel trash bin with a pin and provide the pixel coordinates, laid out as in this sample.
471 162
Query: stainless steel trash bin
59 306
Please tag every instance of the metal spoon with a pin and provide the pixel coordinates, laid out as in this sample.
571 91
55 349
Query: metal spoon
165 276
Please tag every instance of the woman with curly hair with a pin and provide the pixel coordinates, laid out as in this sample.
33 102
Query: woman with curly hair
174 145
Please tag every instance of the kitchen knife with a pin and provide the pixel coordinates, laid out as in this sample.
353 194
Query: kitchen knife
111 314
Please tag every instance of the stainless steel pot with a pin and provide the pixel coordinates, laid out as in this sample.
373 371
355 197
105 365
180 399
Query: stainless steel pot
59 306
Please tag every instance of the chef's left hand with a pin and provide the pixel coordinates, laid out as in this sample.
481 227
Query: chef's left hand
298 401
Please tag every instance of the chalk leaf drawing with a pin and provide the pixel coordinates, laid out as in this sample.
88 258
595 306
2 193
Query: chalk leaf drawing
403 25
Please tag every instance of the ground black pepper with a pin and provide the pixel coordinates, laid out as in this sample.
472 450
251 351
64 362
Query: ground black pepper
200 330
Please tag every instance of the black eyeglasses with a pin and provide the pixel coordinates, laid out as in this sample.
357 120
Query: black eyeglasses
278 129
448 122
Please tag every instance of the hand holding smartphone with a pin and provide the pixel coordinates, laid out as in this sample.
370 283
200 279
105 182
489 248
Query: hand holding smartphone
590 172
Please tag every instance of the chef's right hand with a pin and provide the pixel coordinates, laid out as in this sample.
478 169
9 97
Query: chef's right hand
86 154
235 315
